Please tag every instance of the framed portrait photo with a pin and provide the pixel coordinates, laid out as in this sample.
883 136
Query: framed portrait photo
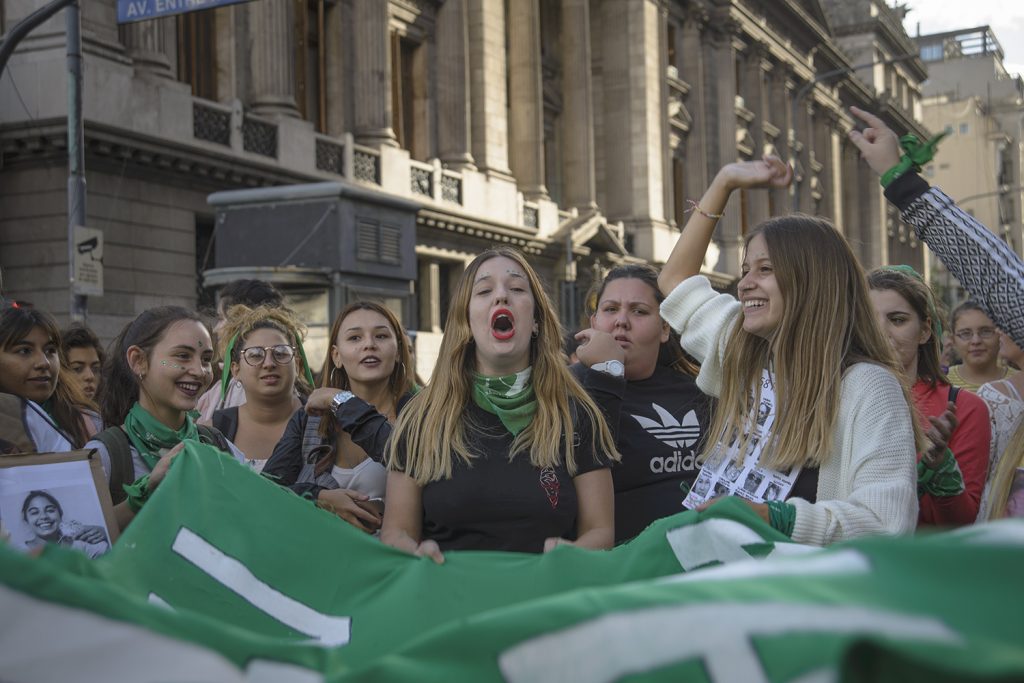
58 498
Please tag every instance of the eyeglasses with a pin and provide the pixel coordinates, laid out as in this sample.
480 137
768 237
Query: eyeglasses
282 354
982 332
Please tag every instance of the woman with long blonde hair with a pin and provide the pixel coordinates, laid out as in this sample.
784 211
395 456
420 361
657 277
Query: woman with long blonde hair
811 410
503 450
1006 489
332 450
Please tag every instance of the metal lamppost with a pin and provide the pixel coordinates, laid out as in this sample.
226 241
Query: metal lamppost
806 88
76 132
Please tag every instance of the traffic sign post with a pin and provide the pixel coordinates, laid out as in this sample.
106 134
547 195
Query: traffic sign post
129 11
87 278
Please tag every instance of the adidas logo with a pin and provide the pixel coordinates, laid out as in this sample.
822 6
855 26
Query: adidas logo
674 433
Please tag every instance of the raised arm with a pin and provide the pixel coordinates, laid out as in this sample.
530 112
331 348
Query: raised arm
984 264
688 254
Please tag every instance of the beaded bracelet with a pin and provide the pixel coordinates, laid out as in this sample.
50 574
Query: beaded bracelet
694 206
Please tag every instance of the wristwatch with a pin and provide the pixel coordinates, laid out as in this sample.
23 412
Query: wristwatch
340 398
615 368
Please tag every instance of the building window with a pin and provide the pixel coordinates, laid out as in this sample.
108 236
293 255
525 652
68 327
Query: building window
679 190
197 53
311 63
931 53
408 95
205 260
964 128
671 47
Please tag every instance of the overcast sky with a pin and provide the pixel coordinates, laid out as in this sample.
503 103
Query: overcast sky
1006 17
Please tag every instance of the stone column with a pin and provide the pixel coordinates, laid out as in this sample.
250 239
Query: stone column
272 51
489 115
692 72
147 44
453 100
527 104
781 107
757 67
578 106
805 138
371 50
429 284
722 115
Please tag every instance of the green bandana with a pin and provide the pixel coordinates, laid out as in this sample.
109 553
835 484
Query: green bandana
510 398
943 481
149 435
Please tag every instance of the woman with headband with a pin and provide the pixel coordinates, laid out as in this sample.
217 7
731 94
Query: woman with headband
264 353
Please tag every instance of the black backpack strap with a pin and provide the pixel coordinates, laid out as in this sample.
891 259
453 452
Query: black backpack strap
214 437
953 391
122 470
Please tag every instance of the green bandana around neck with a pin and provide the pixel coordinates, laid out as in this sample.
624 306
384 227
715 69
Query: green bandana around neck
149 435
510 397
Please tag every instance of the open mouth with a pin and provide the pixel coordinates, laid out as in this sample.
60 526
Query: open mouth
503 324
188 388
46 524
371 361
270 379
754 304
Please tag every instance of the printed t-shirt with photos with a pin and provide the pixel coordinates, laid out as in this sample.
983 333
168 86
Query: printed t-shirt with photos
731 473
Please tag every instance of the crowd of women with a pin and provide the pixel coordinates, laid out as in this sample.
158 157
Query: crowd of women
824 385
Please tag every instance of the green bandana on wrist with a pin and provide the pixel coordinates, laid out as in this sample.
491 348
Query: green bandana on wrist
782 516
509 397
943 481
915 153
149 435
137 493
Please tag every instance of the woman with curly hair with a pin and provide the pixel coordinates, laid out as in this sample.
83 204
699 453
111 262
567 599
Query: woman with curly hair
263 350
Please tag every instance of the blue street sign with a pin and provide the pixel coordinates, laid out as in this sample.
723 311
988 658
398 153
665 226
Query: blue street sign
139 10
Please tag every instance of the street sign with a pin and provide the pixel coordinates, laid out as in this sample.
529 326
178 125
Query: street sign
140 10
88 262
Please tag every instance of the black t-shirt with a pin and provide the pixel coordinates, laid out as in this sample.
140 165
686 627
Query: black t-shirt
659 424
494 504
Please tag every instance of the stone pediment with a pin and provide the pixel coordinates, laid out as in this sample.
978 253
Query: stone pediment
591 232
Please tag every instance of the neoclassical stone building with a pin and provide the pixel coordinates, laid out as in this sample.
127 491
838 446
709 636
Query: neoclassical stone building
574 130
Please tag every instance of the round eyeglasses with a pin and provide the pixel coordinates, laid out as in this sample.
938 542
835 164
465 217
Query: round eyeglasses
982 332
282 354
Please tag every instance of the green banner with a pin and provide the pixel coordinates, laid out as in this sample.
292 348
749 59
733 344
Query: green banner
225 576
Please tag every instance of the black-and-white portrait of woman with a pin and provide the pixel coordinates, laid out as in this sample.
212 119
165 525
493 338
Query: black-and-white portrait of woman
46 522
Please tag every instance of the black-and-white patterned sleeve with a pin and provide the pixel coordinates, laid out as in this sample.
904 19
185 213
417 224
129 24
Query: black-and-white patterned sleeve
983 263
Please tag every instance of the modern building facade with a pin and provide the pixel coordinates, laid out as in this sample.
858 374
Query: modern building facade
574 130
970 93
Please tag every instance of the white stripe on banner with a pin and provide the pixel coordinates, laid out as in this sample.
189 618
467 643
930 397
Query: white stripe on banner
721 540
609 647
43 641
324 629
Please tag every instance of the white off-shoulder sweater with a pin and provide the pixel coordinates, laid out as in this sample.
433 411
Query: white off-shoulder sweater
867 483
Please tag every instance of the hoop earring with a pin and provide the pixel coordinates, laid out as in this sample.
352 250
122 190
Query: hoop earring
331 376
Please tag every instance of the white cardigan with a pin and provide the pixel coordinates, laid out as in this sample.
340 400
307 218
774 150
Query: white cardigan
867 484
